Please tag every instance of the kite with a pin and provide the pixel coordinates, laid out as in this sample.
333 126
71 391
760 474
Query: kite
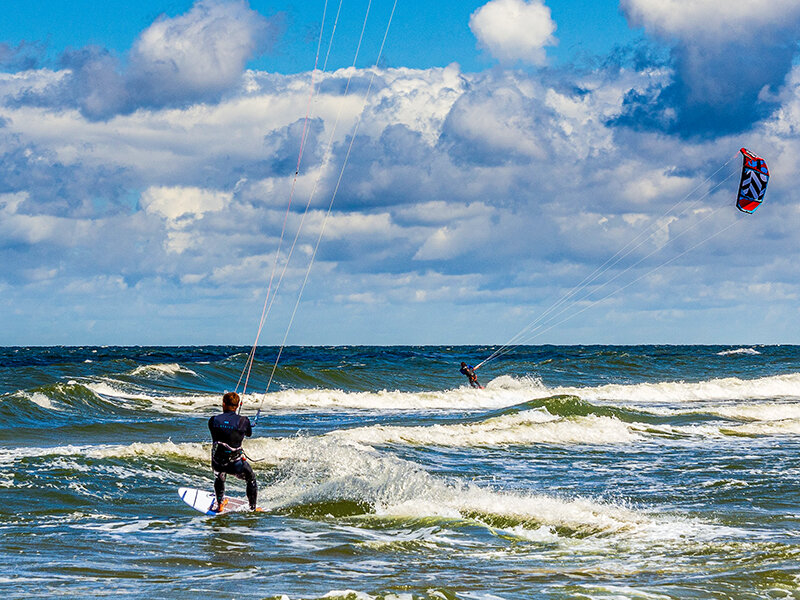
753 185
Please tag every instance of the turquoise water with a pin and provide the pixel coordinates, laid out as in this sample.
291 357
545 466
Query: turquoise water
578 472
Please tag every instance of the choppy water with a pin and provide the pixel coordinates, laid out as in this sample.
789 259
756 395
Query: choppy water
579 472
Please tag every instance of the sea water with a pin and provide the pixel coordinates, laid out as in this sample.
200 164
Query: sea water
578 472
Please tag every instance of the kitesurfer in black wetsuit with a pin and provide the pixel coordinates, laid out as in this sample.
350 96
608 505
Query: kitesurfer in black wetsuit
228 430
469 371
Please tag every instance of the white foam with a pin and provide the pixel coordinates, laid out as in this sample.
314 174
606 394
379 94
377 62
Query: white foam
40 399
162 369
11 455
771 428
768 411
110 388
348 594
118 526
325 469
499 393
309 470
751 351
503 392
730 388
496 395
758 428
732 410
188 450
526 427
459 399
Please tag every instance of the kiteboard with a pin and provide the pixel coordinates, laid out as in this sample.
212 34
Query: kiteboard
205 501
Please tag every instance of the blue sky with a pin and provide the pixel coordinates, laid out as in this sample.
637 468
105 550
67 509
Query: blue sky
505 151
438 32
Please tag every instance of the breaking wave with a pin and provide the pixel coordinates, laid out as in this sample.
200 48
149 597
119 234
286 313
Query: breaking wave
313 477
751 351
729 388
159 370
528 427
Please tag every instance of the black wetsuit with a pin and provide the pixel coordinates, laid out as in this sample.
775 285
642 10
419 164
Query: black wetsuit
228 430
469 371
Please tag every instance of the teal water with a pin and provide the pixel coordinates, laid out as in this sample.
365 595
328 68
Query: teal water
578 472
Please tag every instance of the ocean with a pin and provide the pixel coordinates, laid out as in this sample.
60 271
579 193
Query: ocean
583 472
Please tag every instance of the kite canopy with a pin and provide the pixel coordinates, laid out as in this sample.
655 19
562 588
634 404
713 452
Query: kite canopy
753 185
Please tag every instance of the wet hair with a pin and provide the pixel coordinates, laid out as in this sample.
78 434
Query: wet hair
230 400
463 364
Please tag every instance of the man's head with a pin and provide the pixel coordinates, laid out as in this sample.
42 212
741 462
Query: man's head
463 364
230 401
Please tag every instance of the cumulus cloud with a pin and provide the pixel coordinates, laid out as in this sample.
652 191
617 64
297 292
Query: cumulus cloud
96 86
196 55
182 205
458 237
729 61
708 18
513 30
497 190
177 61
497 124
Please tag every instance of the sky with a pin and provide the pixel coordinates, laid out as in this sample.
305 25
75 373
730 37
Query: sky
544 171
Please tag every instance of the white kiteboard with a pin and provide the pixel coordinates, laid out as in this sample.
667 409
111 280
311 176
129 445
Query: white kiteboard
205 501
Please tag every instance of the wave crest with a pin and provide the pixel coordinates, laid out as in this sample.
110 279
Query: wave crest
524 428
739 351
159 370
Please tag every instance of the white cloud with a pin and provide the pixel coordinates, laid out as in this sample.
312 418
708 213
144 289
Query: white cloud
729 61
95 286
251 269
202 51
40 274
507 189
502 123
722 20
514 30
356 224
419 99
182 205
786 122
643 186
466 231
19 227
440 212
34 80
194 57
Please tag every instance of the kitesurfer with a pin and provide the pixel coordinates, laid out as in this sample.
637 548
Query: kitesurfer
228 430
469 371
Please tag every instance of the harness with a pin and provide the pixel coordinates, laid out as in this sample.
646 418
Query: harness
224 454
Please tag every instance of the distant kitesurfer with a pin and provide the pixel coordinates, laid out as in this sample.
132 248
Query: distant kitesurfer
469 371
228 430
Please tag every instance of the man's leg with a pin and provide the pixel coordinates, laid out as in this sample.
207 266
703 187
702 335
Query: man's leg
245 471
252 485
219 486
